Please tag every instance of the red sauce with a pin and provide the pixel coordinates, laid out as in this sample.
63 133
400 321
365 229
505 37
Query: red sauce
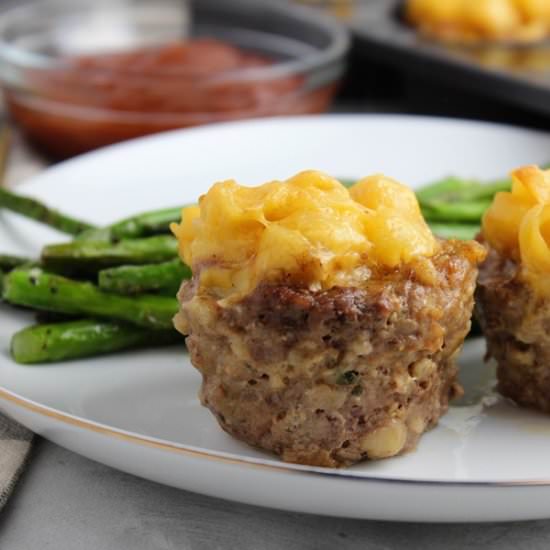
101 99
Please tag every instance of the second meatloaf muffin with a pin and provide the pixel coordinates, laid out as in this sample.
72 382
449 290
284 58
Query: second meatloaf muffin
513 294
331 376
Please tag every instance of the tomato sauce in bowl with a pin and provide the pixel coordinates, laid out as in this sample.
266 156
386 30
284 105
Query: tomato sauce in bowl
96 100
80 75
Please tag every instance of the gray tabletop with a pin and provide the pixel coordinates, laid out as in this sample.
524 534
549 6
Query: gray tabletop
66 502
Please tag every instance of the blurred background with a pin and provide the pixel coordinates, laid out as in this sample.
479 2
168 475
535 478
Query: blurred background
80 74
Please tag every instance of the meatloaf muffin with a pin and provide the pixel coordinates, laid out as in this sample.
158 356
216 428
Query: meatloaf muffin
325 322
513 295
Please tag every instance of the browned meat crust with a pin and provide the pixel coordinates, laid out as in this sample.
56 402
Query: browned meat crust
330 378
516 323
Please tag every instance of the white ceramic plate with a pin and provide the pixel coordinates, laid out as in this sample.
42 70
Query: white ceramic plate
139 412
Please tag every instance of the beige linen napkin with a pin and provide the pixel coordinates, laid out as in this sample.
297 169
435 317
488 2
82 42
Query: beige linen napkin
15 444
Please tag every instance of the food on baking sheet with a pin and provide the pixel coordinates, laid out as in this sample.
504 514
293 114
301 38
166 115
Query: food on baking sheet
513 296
486 20
325 321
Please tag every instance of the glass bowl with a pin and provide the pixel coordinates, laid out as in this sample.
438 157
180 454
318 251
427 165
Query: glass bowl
68 102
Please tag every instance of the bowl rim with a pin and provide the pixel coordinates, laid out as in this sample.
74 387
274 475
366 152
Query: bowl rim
340 41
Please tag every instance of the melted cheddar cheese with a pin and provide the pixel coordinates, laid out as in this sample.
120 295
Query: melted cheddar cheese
309 230
464 20
517 224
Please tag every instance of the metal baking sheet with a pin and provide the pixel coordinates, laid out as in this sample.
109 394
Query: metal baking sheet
518 74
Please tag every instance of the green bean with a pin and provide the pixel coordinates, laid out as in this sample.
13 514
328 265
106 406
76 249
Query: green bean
83 338
98 254
37 289
460 231
166 277
39 212
467 212
463 190
444 188
142 225
456 190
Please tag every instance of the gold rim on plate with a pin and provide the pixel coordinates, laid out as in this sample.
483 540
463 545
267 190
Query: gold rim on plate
159 444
